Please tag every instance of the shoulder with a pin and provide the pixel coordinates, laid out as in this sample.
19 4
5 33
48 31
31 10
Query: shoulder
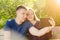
27 24
9 20
8 24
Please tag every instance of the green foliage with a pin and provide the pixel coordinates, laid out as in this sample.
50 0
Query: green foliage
8 7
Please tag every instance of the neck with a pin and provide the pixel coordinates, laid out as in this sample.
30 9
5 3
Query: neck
18 21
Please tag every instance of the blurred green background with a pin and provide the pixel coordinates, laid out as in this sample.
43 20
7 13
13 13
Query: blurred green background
42 8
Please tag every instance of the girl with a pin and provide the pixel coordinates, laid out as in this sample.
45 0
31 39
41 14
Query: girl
35 31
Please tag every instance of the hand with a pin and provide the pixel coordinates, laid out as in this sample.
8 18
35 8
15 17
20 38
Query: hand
52 22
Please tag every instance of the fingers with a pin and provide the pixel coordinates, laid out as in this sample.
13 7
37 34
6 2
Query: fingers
52 22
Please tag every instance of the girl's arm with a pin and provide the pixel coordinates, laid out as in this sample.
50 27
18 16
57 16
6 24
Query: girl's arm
34 31
39 33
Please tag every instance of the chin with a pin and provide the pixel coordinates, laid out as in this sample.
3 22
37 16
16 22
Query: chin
30 19
23 21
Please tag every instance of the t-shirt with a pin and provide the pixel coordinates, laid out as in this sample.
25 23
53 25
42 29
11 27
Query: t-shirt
22 28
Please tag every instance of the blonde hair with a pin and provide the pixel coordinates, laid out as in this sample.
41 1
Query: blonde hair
36 18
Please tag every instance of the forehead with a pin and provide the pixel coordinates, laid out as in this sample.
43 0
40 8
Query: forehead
30 12
21 9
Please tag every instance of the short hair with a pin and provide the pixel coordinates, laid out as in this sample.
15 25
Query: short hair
20 7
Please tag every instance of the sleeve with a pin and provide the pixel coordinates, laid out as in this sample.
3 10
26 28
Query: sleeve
26 26
7 26
29 24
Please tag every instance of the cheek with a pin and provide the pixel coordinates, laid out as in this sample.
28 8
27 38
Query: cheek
31 16
27 17
19 16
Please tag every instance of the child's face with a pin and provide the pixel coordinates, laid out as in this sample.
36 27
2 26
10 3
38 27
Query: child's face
30 15
21 14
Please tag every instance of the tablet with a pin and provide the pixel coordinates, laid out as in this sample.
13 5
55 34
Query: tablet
44 22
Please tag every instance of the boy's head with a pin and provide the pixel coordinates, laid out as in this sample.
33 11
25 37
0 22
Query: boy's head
21 12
